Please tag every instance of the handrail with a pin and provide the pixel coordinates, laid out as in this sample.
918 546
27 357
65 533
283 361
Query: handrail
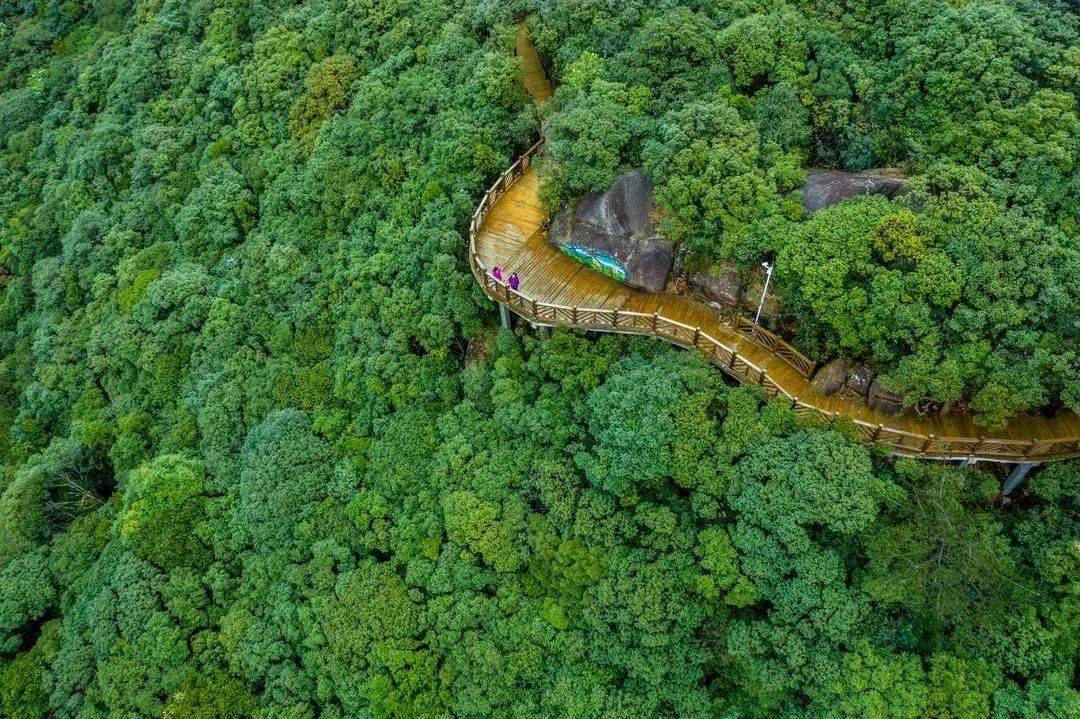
772 342
890 439
496 191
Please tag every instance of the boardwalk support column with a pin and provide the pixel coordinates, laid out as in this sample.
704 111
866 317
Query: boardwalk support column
1020 471
504 315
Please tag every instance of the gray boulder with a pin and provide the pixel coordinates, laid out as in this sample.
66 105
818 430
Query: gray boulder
883 400
859 379
830 378
614 232
827 187
719 284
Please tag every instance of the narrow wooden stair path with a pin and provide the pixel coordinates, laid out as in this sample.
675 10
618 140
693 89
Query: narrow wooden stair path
508 231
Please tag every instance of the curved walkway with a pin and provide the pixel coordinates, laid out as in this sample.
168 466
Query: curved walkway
508 231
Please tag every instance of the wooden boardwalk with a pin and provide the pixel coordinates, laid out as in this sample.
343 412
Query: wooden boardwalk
535 79
508 231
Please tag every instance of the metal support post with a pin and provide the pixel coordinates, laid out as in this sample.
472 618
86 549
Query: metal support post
1019 472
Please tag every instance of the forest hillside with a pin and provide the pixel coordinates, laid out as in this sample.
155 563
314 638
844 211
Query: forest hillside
265 452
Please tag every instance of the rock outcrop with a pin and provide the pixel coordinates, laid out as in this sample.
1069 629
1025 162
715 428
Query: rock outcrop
830 378
827 187
859 379
614 232
720 285
883 400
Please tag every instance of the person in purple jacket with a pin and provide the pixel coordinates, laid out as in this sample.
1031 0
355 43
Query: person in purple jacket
496 272
514 281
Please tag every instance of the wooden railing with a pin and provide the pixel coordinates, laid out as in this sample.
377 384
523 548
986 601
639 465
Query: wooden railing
772 342
496 191
913 444
890 439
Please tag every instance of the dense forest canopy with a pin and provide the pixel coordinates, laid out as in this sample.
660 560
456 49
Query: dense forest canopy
966 289
265 453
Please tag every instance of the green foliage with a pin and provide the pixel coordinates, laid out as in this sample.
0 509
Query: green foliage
165 505
794 492
959 689
942 560
722 578
595 123
217 696
127 298
759 47
26 592
284 467
706 164
877 685
264 453
478 526
324 94
897 238
645 428
938 296
23 692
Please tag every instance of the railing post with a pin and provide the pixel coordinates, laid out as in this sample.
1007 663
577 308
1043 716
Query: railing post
535 314
697 335
573 315
877 432
615 318
655 321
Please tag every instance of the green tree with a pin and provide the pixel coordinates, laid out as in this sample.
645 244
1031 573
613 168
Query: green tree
593 122
942 557
284 466
165 506
706 166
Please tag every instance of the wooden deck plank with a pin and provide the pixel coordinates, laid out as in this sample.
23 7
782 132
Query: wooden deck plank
535 79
